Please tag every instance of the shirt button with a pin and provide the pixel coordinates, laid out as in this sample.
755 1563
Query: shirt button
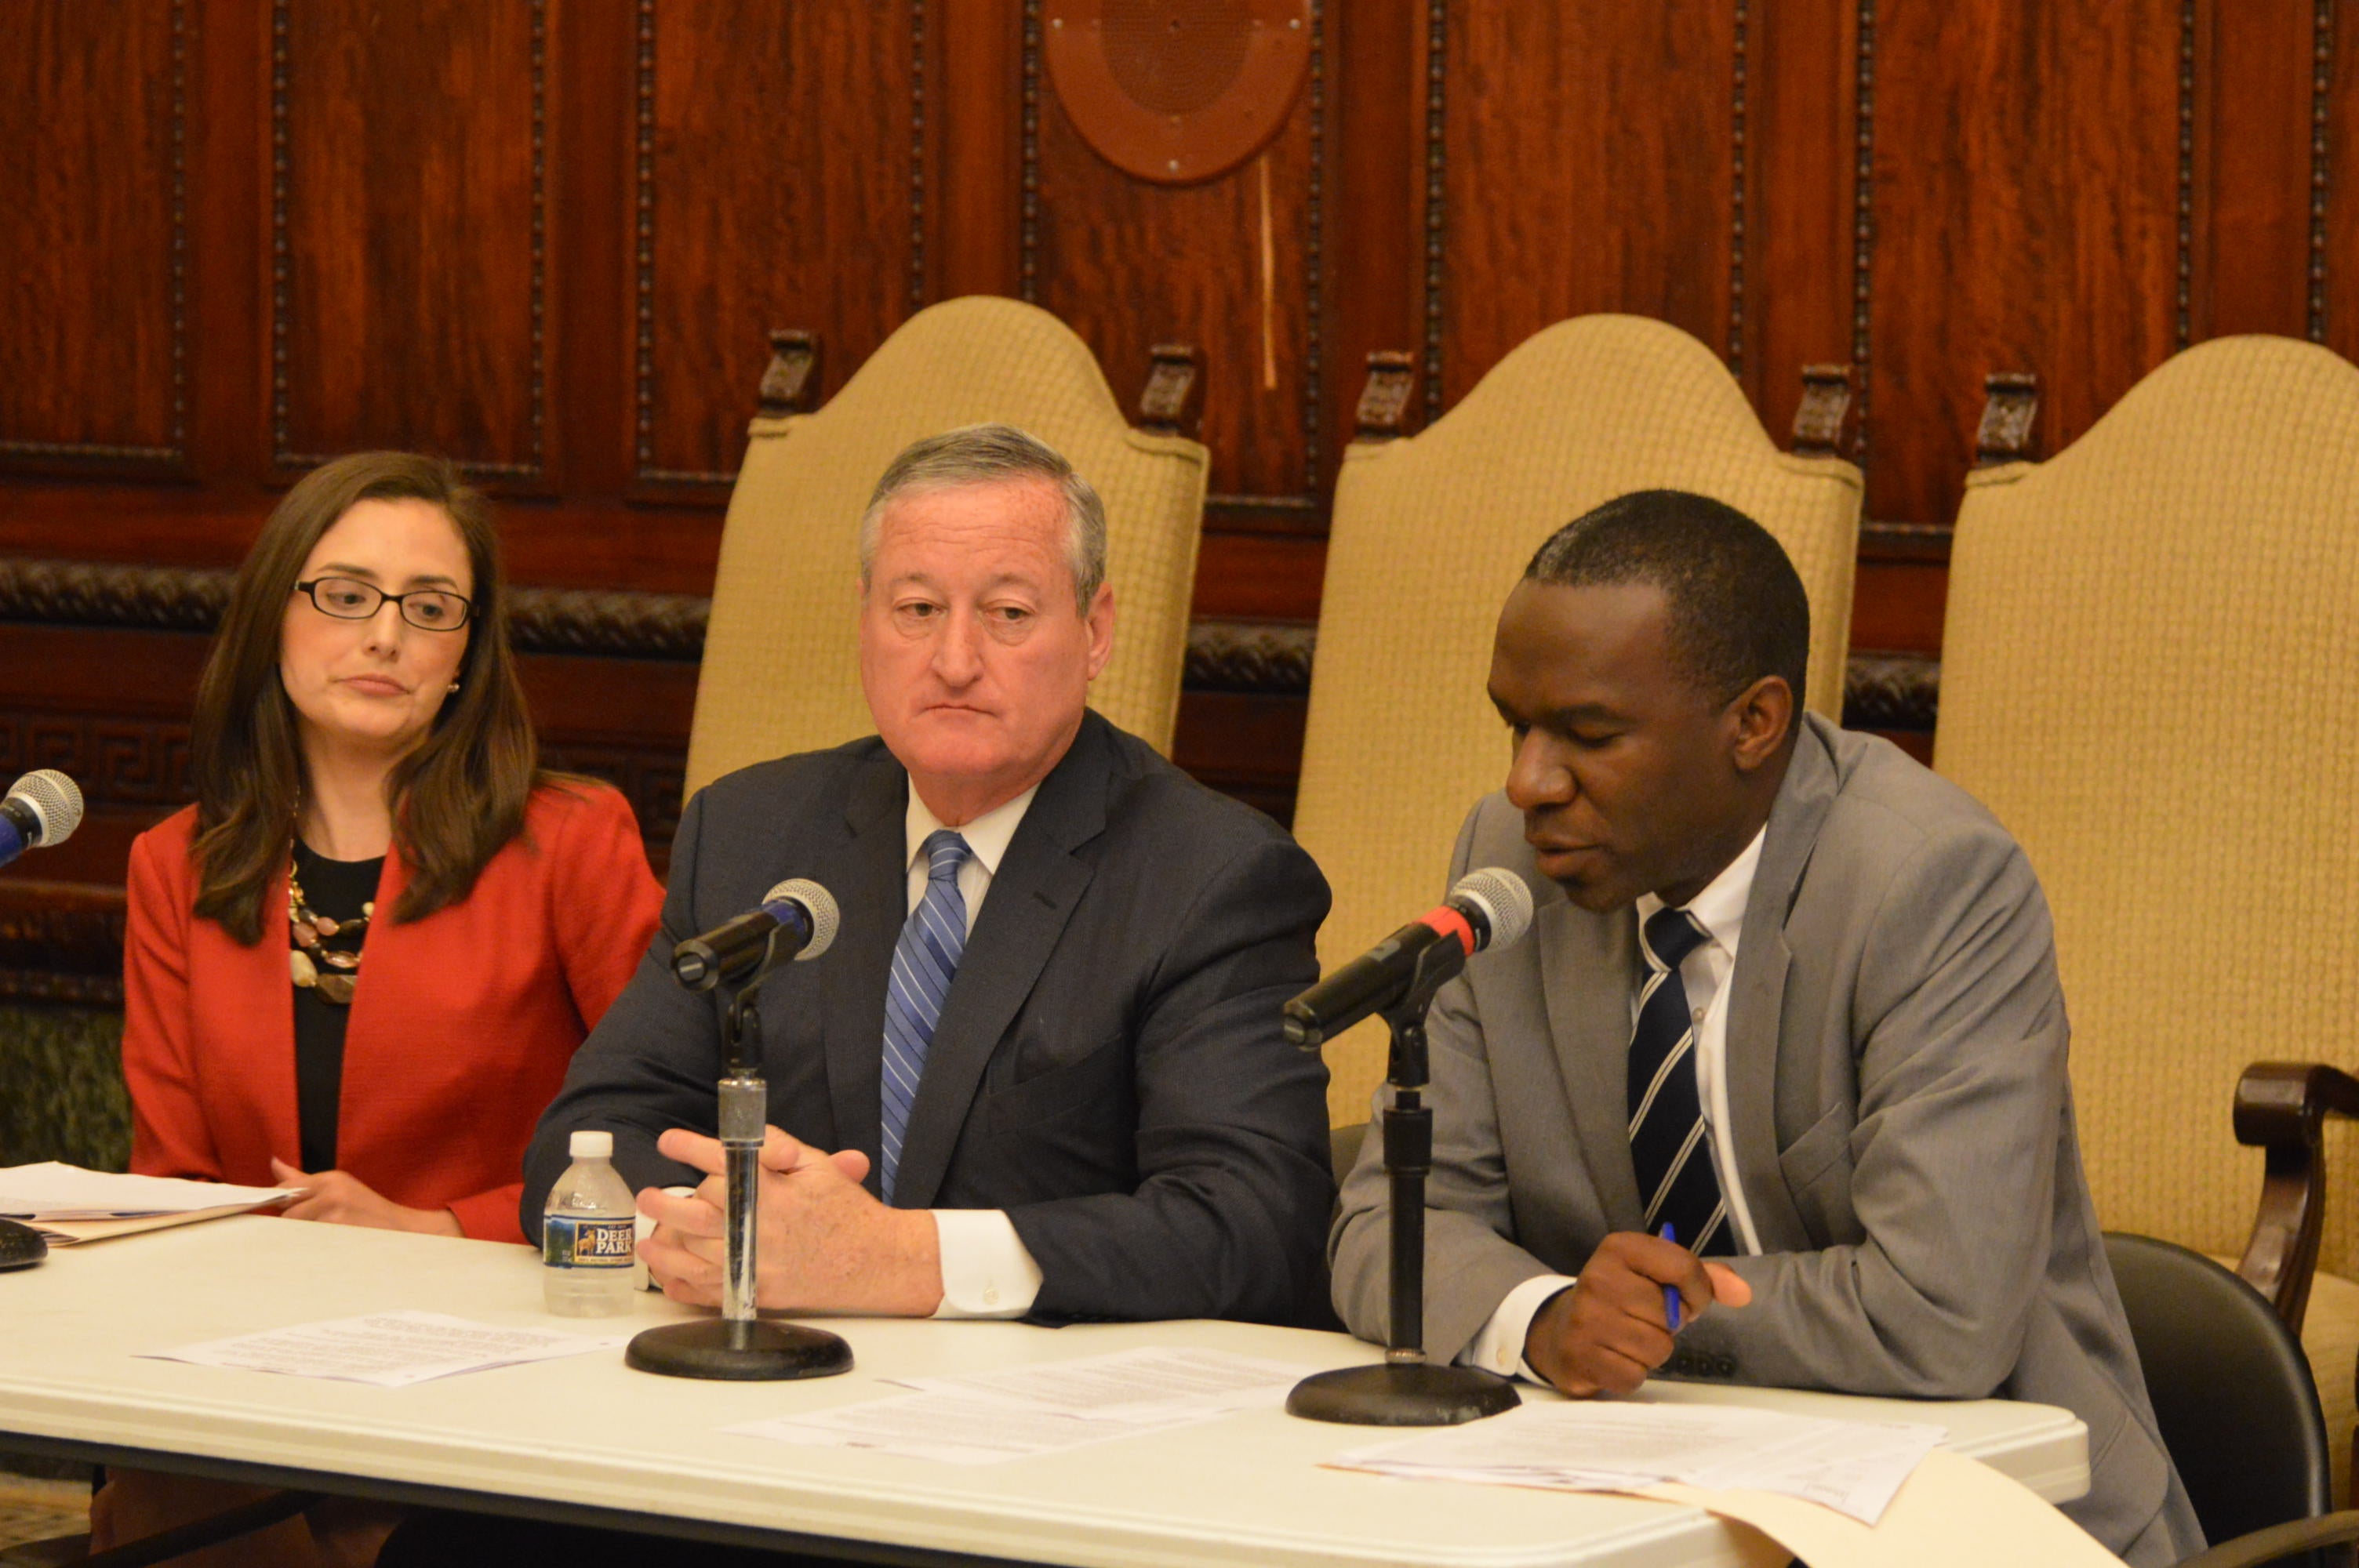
991 1295
1699 1015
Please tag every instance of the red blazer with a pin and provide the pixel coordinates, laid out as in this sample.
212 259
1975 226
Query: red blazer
460 1031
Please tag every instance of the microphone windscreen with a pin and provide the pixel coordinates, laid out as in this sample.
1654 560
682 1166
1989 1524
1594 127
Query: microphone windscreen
54 798
823 914
1505 898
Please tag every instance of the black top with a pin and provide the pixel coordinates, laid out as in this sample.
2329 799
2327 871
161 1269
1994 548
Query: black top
335 889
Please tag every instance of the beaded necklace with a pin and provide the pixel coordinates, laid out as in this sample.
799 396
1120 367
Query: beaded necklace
306 926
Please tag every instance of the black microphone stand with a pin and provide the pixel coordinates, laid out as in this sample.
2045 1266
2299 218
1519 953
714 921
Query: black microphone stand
739 1345
1405 1389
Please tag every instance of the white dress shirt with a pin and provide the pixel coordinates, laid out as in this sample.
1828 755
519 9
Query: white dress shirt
987 1271
1704 974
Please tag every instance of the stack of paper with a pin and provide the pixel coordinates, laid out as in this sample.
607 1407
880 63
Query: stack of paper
390 1349
68 1204
983 1418
1854 1466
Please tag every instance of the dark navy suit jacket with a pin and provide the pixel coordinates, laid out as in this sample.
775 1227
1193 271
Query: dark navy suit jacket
1109 1068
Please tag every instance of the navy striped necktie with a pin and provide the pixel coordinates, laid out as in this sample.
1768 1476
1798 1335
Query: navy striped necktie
1670 1147
923 966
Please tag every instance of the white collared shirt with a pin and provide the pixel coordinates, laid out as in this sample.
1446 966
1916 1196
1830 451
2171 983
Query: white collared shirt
1704 974
987 1271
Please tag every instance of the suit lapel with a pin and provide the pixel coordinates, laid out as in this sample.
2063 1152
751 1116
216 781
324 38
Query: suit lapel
1757 990
1031 898
1583 956
871 881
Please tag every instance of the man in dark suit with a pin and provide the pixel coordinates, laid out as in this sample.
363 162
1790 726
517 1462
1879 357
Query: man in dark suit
1789 1005
1040 1073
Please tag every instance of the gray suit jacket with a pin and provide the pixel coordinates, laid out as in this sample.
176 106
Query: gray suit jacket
1109 1068
1901 1117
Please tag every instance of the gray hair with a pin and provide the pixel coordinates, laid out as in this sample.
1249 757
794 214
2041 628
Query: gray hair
995 454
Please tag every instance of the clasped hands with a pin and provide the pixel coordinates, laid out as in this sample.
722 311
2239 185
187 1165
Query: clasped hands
1608 1331
822 1243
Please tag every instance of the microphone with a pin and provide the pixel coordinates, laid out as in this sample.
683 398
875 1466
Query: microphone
43 807
796 917
1489 908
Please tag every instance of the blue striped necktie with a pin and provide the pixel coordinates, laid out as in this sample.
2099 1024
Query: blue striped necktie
1670 1147
923 965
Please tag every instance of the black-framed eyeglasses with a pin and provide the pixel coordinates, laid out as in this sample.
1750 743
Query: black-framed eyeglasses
349 599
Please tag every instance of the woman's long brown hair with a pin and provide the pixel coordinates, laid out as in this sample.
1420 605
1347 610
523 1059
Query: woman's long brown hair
456 799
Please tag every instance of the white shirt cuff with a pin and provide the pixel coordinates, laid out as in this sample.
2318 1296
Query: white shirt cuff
1500 1347
987 1271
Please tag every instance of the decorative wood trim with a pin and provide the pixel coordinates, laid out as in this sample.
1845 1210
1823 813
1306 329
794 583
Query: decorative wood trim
1825 406
791 382
917 156
1268 658
282 452
176 452
2010 405
1027 243
1891 691
1383 412
1437 41
1736 201
626 625
2184 321
1169 403
1862 238
2322 83
643 249
61 941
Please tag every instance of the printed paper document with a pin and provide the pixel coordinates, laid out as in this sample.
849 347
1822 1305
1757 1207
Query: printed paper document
389 1350
54 1191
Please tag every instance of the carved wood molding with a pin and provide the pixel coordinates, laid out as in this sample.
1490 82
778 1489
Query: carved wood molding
1383 412
2184 320
1891 691
1738 163
1436 48
2321 84
618 624
1268 658
60 942
790 383
1171 404
2010 407
1863 234
1818 418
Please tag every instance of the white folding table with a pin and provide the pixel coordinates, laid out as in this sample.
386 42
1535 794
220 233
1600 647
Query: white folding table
588 1440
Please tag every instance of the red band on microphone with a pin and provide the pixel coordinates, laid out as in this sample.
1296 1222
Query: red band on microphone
1450 922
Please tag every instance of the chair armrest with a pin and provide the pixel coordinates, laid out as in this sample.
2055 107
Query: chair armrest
2279 1540
2281 1109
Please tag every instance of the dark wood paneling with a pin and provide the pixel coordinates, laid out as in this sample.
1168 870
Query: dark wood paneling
2254 74
1232 266
1801 124
2026 196
777 152
92 246
2334 254
1589 150
408 231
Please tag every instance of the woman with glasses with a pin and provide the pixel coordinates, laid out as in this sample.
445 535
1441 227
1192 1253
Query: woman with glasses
359 964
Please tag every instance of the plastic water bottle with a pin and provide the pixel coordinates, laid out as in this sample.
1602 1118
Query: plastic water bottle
588 1236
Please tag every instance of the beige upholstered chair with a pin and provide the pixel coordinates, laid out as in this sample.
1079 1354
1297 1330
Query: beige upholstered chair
2150 673
1430 532
781 667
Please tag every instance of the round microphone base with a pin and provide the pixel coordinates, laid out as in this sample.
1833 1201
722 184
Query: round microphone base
1402 1393
739 1352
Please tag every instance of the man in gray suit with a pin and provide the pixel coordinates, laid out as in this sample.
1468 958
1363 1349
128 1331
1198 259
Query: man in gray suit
1790 999
1040 1073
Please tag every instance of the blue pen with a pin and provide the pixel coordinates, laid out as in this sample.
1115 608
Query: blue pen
1670 1293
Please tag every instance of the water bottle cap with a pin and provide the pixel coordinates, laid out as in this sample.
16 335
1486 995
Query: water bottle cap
592 1146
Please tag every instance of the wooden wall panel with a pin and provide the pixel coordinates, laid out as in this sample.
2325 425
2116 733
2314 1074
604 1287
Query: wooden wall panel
1232 265
778 153
2025 217
407 231
1588 155
2334 254
2254 93
93 115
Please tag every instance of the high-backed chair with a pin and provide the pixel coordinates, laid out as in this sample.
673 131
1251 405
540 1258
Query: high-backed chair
781 667
1429 535
2149 674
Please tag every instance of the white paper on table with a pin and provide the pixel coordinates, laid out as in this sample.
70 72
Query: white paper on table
389 1350
1149 1381
54 1191
957 1427
1851 1466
